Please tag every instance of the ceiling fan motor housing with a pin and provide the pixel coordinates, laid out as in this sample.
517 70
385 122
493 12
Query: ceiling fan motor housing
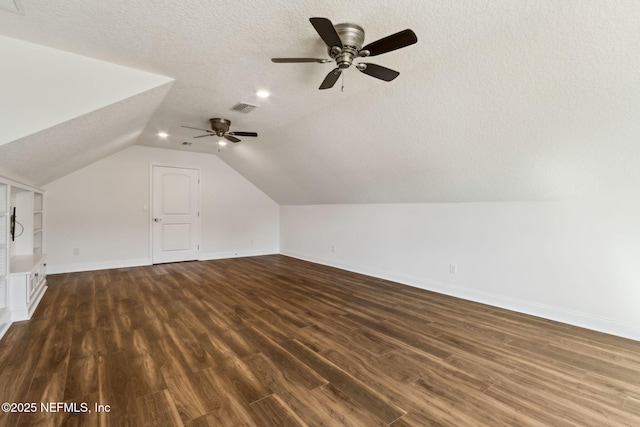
220 126
352 37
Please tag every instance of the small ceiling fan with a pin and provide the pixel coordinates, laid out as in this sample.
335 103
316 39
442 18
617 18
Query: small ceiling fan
220 128
345 44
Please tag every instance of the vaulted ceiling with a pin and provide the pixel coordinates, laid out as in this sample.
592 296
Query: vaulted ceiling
498 101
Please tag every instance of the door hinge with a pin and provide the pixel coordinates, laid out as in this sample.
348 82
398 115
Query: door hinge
198 247
198 214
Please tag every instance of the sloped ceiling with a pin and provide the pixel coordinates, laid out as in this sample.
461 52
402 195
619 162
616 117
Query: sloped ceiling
59 150
499 100
61 111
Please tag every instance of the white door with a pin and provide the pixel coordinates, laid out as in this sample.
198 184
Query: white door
174 214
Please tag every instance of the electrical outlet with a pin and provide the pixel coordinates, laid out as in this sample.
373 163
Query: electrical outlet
333 248
452 269
76 251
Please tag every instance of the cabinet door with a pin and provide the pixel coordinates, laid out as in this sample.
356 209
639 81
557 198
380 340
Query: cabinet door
33 284
3 292
18 291
42 271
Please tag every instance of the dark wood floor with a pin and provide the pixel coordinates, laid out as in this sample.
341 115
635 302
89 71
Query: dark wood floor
274 341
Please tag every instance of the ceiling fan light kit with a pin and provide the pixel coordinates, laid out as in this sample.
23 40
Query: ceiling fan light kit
344 43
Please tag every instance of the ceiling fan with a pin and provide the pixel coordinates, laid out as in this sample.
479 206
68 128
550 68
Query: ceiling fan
220 128
345 44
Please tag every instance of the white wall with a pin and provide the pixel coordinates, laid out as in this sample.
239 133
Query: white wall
100 210
34 78
576 262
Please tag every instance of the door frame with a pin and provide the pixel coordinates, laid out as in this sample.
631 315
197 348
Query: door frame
149 207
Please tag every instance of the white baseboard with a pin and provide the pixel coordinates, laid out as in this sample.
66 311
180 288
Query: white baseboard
106 265
559 314
571 317
237 254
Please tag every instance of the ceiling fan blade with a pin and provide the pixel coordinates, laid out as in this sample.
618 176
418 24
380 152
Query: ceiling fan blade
292 60
394 41
242 133
189 127
331 79
232 138
201 136
379 72
327 31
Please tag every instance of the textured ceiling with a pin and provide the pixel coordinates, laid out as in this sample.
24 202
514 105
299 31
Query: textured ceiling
499 100
59 150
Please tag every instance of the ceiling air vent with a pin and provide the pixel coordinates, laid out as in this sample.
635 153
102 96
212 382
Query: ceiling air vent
12 5
244 107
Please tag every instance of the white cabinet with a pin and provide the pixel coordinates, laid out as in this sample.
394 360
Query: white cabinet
27 283
5 312
22 256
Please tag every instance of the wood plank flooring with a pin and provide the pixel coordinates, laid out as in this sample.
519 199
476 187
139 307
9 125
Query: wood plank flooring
275 341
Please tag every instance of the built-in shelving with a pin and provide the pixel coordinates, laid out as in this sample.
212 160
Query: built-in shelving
22 258
5 312
38 206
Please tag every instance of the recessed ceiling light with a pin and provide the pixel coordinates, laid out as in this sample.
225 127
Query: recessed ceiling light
163 134
263 94
222 143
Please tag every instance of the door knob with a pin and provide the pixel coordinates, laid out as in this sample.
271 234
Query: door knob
157 219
